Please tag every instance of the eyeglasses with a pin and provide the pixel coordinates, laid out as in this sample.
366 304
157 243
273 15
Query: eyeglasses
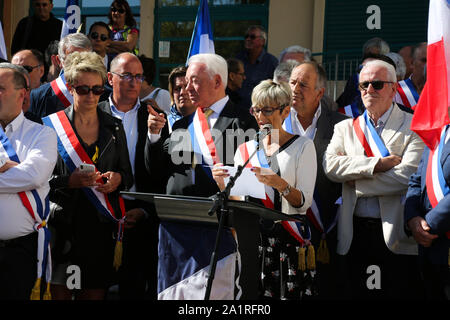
84 90
377 85
30 68
266 111
129 77
114 9
251 36
95 36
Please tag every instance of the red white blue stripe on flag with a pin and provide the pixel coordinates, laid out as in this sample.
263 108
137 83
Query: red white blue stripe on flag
72 18
202 37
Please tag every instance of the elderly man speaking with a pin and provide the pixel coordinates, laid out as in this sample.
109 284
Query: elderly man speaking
373 157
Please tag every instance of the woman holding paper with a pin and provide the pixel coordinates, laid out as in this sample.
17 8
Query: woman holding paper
93 166
286 165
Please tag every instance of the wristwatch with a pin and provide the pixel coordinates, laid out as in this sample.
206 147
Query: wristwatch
286 191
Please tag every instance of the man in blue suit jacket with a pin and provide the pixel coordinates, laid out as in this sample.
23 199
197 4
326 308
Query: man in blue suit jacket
429 227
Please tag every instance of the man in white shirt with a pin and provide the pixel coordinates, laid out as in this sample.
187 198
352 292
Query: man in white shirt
373 157
140 238
28 153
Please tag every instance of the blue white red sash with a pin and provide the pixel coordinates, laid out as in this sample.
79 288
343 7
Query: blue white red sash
40 216
437 187
369 138
407 94
296 229
287 124
202 141
73 154
61 91
351 110
313 214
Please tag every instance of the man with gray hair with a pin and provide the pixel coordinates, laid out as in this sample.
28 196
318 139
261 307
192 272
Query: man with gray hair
188 170
258 64
295 52
373 157
54 96
28 153
310 117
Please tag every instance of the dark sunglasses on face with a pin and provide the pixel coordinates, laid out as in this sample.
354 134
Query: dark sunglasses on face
266 111
84 90
377 85
129 77
114 9
251 36
31 68
95 36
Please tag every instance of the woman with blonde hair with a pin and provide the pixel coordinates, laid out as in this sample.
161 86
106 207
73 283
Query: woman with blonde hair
286 165
92 168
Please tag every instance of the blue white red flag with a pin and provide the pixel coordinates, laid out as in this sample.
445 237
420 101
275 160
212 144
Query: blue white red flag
72 18
202 36
431 112
183 264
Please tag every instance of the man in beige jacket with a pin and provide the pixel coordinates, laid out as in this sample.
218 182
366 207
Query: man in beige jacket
373 157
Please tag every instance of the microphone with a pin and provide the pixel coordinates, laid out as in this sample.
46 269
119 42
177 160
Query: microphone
264 131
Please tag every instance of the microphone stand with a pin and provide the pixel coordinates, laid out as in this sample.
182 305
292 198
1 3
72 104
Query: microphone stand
220 206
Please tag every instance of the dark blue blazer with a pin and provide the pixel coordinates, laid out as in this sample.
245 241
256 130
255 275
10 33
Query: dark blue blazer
438 218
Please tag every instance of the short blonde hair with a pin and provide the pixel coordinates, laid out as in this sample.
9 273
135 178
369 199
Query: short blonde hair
268 93
78 62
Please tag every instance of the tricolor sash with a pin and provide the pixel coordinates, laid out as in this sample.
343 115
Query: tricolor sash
202 141
407 93
369 138
437 187
296 229
60 89
287 124
40 217
73 155
350 110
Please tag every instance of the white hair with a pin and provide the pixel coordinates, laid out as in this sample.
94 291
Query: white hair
382 64
296 49
76 40
284 69
399 63
215 65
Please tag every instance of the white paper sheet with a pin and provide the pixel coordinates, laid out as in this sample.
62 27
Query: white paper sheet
247 184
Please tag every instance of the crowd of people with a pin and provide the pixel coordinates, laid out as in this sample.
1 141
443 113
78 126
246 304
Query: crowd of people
81 121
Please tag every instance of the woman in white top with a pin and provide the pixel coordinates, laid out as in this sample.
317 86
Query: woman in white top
289 187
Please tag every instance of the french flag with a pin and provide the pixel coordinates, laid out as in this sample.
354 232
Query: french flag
202 36
431 112
72 18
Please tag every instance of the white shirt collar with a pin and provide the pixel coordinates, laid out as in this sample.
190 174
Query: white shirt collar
16 123
218 106
311 130
115 110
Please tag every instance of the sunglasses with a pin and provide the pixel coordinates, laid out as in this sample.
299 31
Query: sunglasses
84 90
129 77
30 68
95 36
251 36
377 85
114 9
266 111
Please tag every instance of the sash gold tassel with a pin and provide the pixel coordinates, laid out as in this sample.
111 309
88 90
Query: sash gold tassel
311 258
47 294
301 259
36 292
323 255
118 255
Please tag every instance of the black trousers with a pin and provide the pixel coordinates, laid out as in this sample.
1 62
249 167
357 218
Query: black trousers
18 258
375 272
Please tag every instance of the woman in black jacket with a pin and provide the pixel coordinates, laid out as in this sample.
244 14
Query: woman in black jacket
86 232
